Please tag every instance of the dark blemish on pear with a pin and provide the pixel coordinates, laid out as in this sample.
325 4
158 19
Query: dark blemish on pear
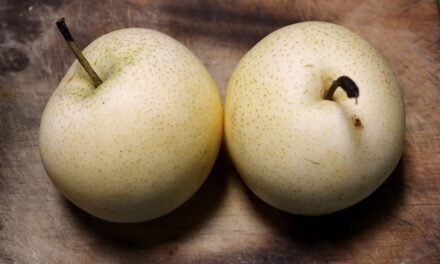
70 79
358 123
311 161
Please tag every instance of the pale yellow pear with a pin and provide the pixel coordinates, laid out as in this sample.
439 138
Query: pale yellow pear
140 144
295 150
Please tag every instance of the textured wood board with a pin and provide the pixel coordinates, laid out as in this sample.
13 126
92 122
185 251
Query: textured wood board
224 222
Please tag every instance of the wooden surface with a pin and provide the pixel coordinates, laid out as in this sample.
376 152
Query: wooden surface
224 222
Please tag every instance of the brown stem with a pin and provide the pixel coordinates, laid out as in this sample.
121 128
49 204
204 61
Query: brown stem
347 84
61 24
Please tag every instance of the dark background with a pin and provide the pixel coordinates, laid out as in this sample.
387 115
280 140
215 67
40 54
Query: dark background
224 222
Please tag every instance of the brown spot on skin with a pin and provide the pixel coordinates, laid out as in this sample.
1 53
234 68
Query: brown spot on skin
358 123
313 162
70 79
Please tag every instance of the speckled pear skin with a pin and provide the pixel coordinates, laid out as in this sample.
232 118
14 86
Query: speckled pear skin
142 143
295 150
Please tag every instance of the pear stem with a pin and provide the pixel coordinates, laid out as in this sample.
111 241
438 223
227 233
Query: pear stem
347 84
61 24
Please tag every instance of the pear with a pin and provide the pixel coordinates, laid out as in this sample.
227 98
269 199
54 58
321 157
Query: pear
139 141
314 118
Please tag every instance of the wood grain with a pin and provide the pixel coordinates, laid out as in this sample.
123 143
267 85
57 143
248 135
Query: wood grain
224 222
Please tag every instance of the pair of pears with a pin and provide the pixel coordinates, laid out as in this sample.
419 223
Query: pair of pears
143 142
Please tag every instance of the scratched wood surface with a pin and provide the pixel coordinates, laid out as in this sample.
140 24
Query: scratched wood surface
224 222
